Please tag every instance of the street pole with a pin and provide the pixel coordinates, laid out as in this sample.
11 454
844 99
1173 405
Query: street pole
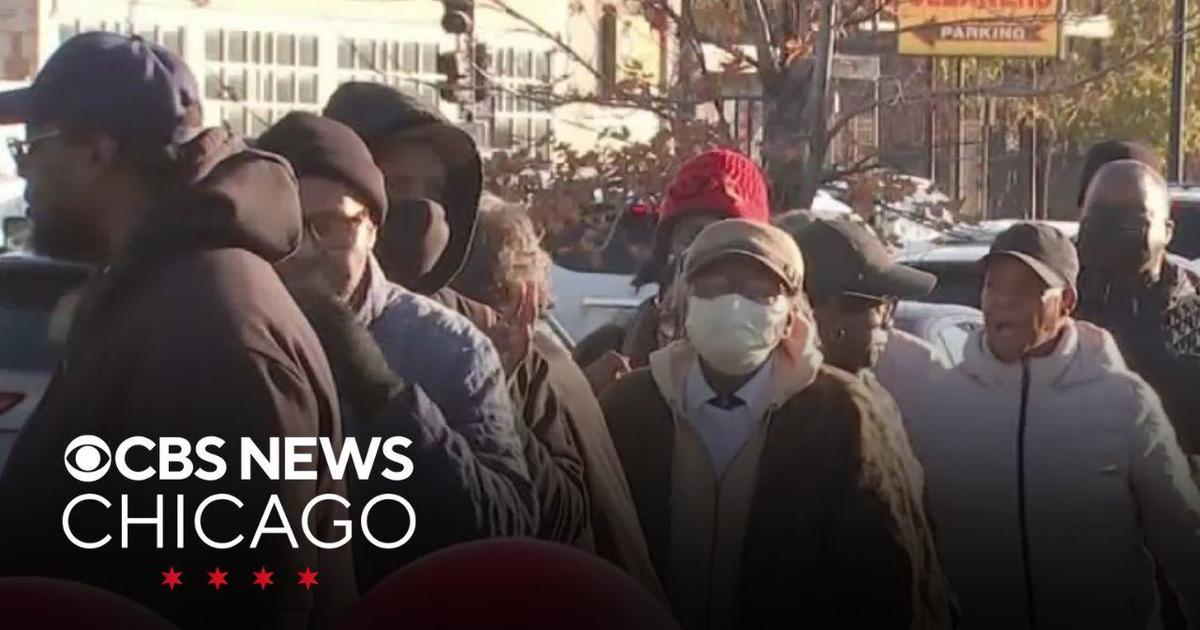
1175 156
931 119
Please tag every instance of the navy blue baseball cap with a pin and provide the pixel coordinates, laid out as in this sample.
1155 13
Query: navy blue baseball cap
134 90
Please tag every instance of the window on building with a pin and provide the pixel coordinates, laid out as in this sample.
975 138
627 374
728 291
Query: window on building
502 134
504 61
308 51
364 54
429 53
308 88
345 53
255 47
285 50
212 46
267 90
542 66
268 44
524 64
411 62
172 40
212 84
607 49
236 41
235 83
285 88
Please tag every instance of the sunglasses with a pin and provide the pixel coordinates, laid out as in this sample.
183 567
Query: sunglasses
22 149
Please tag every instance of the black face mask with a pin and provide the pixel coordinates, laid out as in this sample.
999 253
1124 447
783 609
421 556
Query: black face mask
412 239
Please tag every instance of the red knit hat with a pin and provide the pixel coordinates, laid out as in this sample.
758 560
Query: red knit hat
722 181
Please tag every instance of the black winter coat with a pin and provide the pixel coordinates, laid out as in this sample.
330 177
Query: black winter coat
189 333
1158 332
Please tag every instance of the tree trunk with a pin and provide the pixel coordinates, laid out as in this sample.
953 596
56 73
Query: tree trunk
796 139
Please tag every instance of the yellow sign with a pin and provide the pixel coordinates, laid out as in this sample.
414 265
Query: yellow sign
980 28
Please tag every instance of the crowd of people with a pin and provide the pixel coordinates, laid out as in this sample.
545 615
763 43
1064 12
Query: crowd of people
758 448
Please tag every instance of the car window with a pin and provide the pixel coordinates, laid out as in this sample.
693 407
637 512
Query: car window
1186 240
953 336
31 299
959 283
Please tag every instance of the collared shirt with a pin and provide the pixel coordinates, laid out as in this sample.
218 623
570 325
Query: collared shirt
714 467
725 426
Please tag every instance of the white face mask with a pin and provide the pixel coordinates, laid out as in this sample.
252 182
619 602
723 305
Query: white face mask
733 334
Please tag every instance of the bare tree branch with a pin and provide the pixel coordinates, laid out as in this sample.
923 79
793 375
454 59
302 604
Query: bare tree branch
760 31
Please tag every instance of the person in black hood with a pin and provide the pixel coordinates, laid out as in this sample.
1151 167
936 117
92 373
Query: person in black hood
187 333
1128 285
421 154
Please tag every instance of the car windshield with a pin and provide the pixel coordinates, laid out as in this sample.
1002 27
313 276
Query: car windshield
958 283
1186 239
32 296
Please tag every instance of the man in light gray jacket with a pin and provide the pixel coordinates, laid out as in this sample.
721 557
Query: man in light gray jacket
1054 479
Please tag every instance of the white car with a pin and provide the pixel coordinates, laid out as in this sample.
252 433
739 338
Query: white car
585 301
37 299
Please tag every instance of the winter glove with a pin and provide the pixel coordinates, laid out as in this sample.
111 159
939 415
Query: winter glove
364 380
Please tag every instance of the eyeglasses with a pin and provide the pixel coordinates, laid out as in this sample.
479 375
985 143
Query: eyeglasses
22 149
715 285
332 228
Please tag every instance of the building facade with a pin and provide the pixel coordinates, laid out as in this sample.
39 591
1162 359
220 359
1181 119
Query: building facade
256 60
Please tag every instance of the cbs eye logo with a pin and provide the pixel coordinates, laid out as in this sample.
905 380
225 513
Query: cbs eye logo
87 458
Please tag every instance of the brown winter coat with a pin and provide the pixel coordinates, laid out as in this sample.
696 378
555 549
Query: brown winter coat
835 537
190 333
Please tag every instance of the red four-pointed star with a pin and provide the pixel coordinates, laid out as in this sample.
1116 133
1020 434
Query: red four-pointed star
262 577
216 578
171 578
308 578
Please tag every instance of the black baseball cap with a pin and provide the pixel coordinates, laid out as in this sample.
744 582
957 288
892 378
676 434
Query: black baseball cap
135 90
1045 248
845 258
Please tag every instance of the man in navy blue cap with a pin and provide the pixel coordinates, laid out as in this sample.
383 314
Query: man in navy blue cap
188 332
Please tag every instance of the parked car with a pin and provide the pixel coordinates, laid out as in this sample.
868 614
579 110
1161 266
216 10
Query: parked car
1185 210
37 299
944 326
585 301
955 260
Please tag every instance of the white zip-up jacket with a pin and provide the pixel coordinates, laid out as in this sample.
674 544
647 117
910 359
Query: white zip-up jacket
1052 483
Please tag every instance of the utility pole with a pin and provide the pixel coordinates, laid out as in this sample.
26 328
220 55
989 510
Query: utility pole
1179 68
931 118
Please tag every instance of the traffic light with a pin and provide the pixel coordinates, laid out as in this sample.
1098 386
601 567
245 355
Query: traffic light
458 16
482 66
447 66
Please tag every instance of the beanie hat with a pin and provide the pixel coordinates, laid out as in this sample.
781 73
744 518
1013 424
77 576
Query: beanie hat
323 147
1112 151
721 181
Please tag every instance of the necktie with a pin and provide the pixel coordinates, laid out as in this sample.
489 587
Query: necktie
729 404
